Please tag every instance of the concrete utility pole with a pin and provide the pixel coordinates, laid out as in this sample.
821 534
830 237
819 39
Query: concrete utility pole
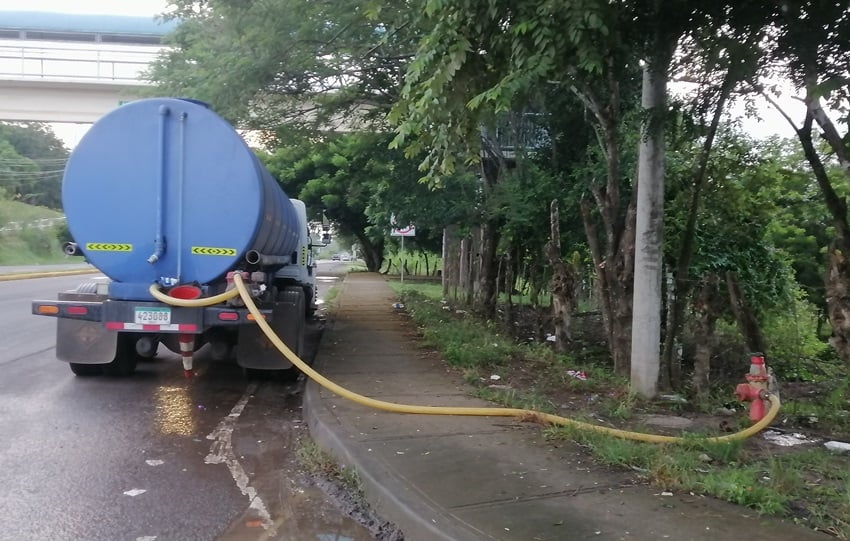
646 308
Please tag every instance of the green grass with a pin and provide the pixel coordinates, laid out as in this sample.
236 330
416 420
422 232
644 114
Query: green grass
357 267
15 211
461 339
28 246
318 462
811 487
330 297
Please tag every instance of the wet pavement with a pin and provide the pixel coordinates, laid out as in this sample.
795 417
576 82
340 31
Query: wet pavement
152 457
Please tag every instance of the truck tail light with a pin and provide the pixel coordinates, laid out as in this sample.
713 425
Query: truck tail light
251 317
77 310
48 309
228 316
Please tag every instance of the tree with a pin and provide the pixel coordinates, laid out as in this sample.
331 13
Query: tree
719 55
737 273
293 70
266 64
357 181
32 160
812 42
479 60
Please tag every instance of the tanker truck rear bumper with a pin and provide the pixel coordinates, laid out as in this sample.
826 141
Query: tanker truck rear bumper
95 330
146 316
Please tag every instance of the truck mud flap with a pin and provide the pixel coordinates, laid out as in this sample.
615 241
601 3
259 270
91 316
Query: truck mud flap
254 350
84 342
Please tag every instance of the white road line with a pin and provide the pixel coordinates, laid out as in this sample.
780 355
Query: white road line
221 452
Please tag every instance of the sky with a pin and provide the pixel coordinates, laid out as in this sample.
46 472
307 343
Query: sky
102 7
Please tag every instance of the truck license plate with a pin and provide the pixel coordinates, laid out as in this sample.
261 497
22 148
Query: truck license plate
153 316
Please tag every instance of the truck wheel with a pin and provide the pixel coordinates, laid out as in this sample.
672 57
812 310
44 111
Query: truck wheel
310 306
286 375
84 370
124 363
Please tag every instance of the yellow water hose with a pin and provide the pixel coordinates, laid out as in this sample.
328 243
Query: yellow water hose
491 412
525 414
191 303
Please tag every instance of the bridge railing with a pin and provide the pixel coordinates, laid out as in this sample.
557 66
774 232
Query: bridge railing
75 63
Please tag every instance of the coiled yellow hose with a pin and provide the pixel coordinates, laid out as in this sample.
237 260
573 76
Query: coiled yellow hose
191 303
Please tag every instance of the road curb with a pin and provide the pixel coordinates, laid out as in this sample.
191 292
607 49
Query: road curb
391 497
46 274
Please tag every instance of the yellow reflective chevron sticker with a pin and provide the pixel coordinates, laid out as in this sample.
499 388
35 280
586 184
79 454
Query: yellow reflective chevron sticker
209 250
108 247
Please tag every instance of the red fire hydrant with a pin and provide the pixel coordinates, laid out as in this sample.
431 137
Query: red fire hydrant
755 390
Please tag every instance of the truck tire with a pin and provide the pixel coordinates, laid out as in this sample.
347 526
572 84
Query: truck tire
310 306
86 370
126 358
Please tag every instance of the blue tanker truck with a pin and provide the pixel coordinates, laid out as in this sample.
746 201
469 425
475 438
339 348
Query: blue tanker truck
166 199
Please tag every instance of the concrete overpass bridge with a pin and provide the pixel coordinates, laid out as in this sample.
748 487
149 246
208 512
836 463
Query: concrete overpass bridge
57 67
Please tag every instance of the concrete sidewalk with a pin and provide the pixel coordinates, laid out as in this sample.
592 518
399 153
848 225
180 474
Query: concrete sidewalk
477 478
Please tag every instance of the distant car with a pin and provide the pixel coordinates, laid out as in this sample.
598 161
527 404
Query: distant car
335 257
345 257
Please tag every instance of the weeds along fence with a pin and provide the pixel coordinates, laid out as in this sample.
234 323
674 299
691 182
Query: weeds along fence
416 265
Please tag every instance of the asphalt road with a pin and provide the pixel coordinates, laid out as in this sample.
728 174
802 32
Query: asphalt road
152 457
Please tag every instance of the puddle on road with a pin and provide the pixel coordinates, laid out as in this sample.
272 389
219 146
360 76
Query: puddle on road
266 443
287 505
305 516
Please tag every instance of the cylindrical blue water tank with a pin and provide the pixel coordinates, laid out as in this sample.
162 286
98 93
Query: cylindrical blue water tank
165 190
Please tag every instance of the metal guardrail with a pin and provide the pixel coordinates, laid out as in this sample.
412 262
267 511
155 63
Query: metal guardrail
79 64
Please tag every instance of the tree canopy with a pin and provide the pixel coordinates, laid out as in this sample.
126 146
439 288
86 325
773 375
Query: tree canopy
503 107
32 160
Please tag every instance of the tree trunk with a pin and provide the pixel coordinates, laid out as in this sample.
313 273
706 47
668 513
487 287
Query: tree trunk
614 283
534 285
509 290
484 300
373 252
747 321
563 282
705 317
829 132
451 262
469 247
837 278
838 297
